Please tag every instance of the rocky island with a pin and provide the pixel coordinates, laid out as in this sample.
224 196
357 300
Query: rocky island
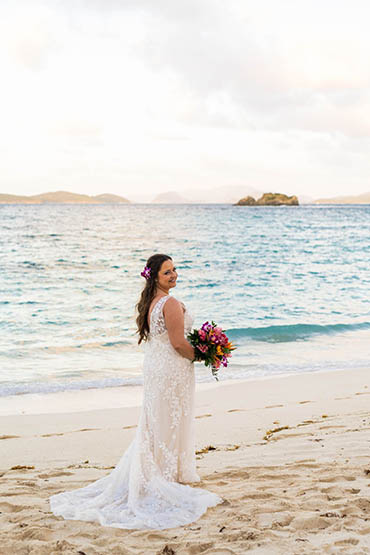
269 199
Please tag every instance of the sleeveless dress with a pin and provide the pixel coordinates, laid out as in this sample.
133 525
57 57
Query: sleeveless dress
144 491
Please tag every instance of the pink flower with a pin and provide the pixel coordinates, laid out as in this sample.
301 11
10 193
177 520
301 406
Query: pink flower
202 348
217 330
202 334
217 363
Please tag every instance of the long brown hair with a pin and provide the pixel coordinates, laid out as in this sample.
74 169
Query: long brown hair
154 262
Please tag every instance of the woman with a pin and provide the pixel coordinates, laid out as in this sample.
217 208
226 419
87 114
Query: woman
147 488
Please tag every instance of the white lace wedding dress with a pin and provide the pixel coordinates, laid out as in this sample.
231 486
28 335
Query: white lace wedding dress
144 490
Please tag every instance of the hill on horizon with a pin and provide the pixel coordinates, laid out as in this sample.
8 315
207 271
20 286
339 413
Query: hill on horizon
364 198
170 197
218 195
227 194
61 197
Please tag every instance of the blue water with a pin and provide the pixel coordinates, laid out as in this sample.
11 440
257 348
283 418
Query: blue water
291 284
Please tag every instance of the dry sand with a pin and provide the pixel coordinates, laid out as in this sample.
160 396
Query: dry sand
289 455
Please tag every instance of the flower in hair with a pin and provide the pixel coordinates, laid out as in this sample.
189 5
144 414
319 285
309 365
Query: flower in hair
146 272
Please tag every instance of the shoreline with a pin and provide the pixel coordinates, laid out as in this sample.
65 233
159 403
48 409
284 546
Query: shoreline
123 396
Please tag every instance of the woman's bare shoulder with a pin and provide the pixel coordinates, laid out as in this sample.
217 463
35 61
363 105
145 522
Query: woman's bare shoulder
172 305
171 301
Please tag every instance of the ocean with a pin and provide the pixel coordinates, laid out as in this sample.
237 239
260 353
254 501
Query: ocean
289 284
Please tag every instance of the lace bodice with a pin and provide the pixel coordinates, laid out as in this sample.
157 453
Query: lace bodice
146 489
157 321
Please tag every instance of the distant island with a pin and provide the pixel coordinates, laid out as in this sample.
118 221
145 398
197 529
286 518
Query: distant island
356 199
62 197
218 195
171 197
226 194
269 199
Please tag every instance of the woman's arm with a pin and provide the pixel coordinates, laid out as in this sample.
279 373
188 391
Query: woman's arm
174 318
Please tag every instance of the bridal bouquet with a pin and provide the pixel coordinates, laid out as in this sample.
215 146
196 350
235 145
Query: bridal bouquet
211 345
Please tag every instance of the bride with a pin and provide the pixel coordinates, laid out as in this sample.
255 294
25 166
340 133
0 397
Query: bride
147 488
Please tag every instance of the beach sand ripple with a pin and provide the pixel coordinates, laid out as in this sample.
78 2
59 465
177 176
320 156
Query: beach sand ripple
299 486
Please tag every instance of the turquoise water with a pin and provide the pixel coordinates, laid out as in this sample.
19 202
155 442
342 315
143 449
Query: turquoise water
291 284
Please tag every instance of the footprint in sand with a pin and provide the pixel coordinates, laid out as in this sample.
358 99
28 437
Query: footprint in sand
37 533
333 490
273 406
256 496
348 541
206 450
306 465
363 504
303 402
10 508
228 475
55 474
328 478
277 476
311 523
22 467
9 437
284 436
222 483
204 416
154 537
129 427
353 490
331 514
305 423
274 520
28 483
237 410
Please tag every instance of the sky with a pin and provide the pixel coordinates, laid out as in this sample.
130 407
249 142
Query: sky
139 97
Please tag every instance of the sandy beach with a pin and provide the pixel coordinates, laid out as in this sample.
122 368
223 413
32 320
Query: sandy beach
289 455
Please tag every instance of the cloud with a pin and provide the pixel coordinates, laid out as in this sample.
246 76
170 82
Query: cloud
162 94
237 68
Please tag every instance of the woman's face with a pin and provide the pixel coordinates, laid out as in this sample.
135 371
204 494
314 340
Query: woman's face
167 275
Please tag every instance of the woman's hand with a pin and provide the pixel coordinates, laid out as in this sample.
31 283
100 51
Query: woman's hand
174 317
